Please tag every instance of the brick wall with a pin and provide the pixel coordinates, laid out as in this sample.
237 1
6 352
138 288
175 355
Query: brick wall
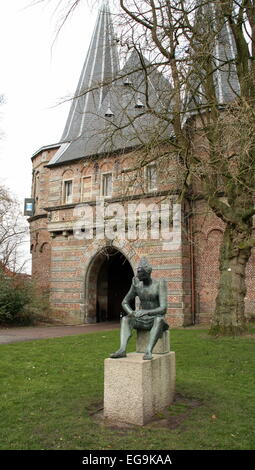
208 232
69 267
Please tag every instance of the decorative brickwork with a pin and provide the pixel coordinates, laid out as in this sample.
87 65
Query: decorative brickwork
69 267
92 163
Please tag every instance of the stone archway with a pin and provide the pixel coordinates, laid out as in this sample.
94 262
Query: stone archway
108 279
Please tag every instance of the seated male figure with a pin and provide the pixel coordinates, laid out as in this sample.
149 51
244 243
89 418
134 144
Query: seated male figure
151 315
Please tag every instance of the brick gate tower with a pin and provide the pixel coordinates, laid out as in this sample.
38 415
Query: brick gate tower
105 162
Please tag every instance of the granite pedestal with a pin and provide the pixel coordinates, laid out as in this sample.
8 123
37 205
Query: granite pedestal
135 390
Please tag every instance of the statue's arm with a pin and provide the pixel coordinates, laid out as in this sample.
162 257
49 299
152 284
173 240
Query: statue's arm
129 298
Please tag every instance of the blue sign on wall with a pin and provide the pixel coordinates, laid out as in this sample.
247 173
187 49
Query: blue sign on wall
29 207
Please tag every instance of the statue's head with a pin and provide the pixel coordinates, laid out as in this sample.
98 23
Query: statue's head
143 269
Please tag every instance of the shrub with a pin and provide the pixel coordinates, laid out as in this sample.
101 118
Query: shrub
20 303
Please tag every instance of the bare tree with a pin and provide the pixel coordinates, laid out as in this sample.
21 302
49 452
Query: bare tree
205 49
12 232
12 227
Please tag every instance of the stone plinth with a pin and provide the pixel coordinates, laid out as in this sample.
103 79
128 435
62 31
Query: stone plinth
162 346
136 389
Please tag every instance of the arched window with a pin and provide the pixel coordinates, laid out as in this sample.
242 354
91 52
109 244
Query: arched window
67 188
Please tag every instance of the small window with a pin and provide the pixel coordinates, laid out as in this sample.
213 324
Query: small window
68 192
86 188
151 177
107 185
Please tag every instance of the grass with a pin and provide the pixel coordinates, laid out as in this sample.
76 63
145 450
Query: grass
50 389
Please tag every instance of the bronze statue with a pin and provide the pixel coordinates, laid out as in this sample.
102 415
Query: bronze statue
153 302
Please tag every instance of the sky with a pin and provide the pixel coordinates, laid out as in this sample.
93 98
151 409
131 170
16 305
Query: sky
38 73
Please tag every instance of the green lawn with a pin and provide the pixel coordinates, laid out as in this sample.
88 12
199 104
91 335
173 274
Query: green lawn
50 389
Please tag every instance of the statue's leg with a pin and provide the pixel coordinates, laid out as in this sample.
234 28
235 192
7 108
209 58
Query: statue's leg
125 335
155 334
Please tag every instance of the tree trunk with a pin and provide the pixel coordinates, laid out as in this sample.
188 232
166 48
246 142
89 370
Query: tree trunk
229 315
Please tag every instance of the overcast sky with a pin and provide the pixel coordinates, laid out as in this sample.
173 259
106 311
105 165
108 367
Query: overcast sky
36 74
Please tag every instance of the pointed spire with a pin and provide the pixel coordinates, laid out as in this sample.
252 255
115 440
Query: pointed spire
223 50
89 127
100 67
227 82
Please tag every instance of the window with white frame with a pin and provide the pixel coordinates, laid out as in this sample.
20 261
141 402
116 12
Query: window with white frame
107 185
68 192
151 173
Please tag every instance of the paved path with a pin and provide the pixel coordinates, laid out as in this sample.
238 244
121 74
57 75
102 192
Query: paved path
13 335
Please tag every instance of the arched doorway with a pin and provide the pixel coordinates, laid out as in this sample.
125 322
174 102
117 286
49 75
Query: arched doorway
108 281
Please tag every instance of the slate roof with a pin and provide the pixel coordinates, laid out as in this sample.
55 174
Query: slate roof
223 51
127 109
123 114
